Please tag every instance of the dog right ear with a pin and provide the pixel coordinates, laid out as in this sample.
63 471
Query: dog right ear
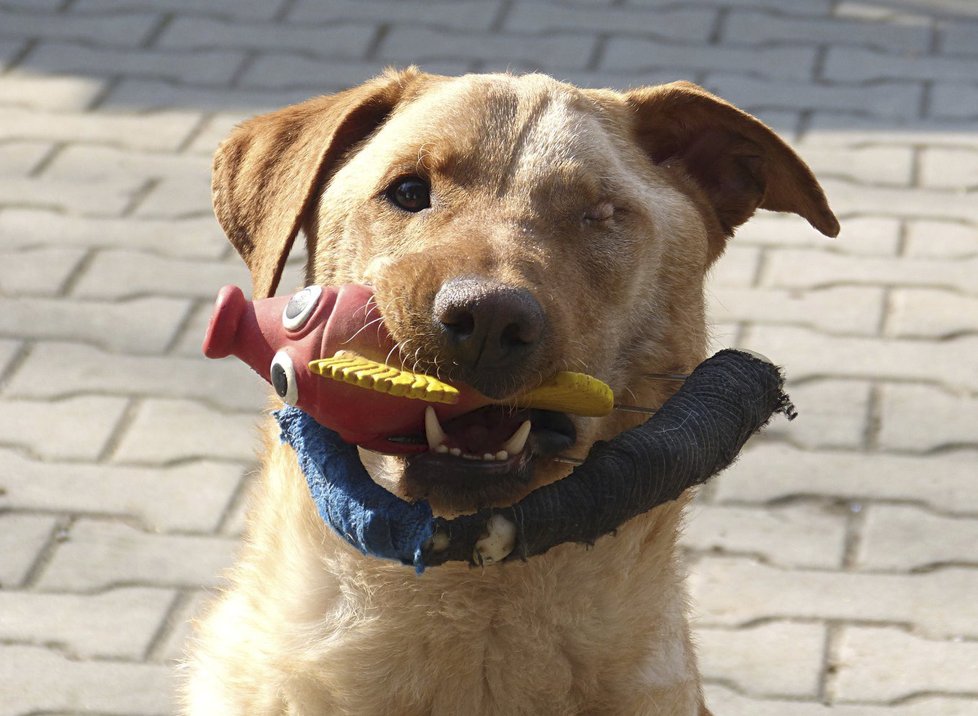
268 171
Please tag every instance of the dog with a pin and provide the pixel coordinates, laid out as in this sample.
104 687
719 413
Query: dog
511 226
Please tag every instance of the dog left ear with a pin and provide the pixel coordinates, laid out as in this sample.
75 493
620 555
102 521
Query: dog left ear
267 172
739 162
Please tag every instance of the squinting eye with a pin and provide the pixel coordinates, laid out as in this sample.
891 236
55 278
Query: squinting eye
601 212
300 307
411 194
282 375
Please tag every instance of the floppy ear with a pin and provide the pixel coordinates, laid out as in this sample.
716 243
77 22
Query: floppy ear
739 163
267 172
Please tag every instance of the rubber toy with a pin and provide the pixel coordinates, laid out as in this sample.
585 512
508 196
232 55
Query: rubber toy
325 350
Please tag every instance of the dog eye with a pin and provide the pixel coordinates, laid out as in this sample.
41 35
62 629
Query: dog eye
411 194
282 375
300 307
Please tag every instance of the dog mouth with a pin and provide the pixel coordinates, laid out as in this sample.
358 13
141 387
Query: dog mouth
486 454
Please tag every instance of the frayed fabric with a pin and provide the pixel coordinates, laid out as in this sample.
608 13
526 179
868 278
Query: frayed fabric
693 436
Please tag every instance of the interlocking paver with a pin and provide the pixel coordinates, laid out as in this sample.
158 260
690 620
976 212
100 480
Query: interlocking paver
781 536
901 538
924 417
51 430
163 431
33 228
880 664
142 325
776 659
97 554
22 537
190 496
120 446
116 623
938 603
45 681
37 272
770 472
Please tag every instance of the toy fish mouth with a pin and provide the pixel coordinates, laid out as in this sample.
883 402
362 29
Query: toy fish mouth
486 454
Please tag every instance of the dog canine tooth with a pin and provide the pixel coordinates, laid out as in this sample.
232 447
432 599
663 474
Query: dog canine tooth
432 429
442 449
515 445
488 456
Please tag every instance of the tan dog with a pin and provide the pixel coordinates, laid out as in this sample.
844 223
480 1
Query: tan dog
512 227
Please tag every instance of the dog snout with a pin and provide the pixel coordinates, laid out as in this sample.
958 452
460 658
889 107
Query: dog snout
493 332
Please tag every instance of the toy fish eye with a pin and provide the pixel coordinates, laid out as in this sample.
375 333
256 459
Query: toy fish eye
300 307
282 378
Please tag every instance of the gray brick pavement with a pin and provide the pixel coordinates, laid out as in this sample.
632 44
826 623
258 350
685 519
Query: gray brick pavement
833 567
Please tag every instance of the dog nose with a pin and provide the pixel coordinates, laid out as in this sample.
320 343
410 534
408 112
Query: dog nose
488 327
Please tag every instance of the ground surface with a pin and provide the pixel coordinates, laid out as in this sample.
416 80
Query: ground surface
835 565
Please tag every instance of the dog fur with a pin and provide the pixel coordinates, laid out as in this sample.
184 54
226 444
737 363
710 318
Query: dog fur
609 208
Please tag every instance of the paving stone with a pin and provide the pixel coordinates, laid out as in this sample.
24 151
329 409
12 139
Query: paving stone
41 681
97 555
191 496
941 239
108 197
960 37
950 168
807 354
174 642
843 310
737 267
791 268
616 79
166 430
199 237
118 29
246 9
118 623
404 43
8 349
922 417
124 274
92 163
160 94
832 414
848 129
850 64
670 23
868 165
54 369
202 67
336 40
18 159
284 71
859 235
70 429
767 472
931 313
904 538
724 701
177 199
938 603
882 99
191 338
143 325
48 93
22 537
885 664
805 535
215 129
780 658
163 131
37 272
631 54
460 15
755 28
808 7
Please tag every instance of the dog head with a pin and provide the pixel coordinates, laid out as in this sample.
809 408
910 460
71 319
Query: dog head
512 227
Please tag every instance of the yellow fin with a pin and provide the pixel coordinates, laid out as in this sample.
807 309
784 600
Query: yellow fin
362 372
574 393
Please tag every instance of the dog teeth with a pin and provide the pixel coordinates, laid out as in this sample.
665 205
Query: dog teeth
433 431
502 455
515 445
455 452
